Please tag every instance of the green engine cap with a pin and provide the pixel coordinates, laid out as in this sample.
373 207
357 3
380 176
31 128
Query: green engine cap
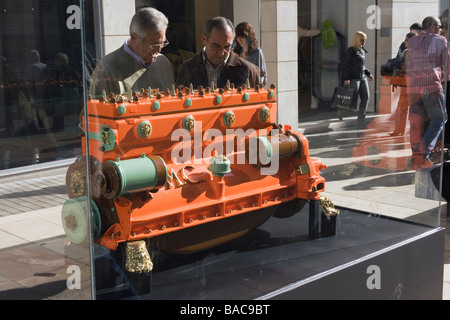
229 118
219 165
74 219
189 123
156 105
144 129
264 114
188 103
218 100
121 109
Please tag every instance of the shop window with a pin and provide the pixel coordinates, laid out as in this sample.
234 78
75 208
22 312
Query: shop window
41 94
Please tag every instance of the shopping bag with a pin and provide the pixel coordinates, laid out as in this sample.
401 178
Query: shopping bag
344 97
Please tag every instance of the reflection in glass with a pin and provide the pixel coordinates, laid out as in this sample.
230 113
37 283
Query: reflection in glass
40 103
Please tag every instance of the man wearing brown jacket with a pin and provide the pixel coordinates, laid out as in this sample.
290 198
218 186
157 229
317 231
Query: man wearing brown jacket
216 63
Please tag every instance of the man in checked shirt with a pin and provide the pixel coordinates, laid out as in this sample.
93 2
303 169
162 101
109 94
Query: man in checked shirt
427 68
217 63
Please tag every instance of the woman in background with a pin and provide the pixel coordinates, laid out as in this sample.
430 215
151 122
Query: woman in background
355 74
247 48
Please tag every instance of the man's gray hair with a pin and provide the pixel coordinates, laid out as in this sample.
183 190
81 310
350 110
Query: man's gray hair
148 18
220 23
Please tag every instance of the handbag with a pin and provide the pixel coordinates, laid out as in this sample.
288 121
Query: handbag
392 67
344 97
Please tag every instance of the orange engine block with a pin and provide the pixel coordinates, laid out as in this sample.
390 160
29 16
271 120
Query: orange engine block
187 169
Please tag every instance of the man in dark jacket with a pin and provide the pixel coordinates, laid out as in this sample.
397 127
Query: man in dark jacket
217 63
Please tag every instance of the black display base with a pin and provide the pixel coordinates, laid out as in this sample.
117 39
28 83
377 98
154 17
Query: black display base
410 270
369 257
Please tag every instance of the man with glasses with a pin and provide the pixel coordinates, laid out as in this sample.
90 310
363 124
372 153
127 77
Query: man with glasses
217 63
427 66
138 63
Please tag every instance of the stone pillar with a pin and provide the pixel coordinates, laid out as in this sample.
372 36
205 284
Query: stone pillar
248 11
279 44
116 17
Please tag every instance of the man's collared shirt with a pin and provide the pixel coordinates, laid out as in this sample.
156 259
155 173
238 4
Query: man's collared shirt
427 60
135 56
213 74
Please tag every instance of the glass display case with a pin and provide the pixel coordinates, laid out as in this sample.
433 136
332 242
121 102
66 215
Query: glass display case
167 164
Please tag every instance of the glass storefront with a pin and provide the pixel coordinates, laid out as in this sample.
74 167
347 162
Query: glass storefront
41 82
41 99
135 192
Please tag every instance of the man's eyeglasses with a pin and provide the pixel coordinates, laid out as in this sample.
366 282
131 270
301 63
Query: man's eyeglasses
156 46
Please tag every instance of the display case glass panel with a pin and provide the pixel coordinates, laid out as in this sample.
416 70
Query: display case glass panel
41 98
165 164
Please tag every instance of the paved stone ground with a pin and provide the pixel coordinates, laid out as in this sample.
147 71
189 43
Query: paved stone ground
32 194
34 253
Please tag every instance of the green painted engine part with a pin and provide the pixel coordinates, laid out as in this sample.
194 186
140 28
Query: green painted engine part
219 165
75 219
139 174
